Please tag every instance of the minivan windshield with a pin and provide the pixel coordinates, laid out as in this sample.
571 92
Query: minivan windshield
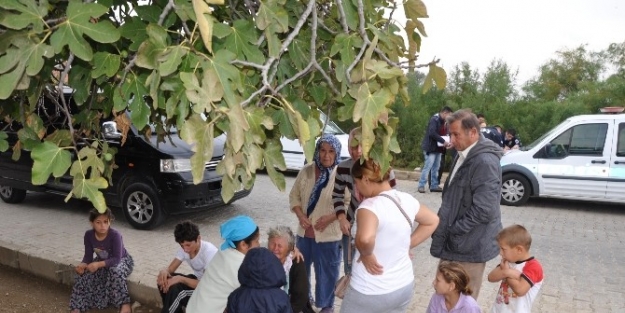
541 138
331 127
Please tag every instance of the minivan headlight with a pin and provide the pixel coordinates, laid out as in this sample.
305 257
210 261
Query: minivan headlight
175 165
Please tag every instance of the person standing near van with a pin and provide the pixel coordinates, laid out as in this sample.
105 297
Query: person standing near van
470 217
431 153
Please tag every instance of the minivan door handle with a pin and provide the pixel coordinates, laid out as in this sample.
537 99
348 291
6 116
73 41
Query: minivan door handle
597 161
619 162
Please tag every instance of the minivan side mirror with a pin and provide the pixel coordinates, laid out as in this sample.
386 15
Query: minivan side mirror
109 130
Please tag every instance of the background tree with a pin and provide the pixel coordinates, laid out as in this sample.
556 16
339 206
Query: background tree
464 85
570 72
254 70
573 82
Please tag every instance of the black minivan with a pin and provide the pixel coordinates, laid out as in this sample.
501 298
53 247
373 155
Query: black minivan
153 179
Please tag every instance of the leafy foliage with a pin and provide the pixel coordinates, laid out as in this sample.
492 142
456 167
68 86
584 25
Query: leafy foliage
574 82
255 70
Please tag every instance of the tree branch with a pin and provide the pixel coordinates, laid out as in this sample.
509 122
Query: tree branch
65 107
250 6
298 26
269 65
55 21
313 41
250 64
390 16
342 17
326 28
349 69
170 5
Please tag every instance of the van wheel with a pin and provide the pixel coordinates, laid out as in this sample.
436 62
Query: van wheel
141 206
12 195
515 190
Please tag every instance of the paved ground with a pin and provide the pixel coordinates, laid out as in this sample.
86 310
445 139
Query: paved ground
581 245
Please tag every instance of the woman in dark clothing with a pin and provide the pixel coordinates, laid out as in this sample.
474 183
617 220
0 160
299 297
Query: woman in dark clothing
262 278
282 245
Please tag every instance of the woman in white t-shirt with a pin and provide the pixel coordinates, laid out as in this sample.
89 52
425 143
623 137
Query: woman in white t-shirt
382 277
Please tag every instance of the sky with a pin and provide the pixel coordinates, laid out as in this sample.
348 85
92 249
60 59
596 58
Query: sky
523 33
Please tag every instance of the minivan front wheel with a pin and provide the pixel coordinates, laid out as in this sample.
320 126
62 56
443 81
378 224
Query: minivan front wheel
142 206
12 195
515 190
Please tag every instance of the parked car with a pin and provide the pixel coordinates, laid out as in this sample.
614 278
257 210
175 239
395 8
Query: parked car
153 179
583 158
294 153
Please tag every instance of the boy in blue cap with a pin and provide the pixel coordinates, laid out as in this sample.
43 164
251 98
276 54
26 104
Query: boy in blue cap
240 234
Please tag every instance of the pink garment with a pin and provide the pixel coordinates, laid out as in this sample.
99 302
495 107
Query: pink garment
466 304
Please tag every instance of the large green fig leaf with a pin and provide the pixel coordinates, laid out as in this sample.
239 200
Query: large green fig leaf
49 159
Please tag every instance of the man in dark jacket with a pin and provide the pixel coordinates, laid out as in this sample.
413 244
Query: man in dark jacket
470 216
262 277
492 134
431 152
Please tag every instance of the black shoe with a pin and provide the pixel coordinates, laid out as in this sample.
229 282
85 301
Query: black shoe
421 190
436 189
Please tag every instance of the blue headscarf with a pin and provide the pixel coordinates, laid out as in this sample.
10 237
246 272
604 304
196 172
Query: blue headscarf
236 229
322 181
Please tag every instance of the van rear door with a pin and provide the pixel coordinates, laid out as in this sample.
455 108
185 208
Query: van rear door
616 180
576 163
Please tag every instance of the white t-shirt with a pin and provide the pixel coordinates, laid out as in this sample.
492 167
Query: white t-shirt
392 245
211 294
199 262
508 301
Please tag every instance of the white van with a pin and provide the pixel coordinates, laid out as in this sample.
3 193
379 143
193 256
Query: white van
294 153
583 158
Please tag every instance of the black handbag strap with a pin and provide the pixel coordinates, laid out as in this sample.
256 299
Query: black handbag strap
349 249
399 207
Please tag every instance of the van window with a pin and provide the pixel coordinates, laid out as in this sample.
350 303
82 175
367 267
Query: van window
584 140
620 148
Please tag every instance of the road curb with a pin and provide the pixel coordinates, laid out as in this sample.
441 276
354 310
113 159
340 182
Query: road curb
60 271
407 175
415 175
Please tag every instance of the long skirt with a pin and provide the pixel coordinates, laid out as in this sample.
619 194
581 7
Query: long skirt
106 287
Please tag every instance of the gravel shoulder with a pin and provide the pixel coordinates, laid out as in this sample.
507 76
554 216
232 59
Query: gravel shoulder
21 292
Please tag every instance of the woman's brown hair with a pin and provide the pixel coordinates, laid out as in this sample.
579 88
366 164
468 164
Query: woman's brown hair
371 170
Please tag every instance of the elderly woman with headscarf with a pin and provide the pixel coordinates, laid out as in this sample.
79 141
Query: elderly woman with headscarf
319 233
220 278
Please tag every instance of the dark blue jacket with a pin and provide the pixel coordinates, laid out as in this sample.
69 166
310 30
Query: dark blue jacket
492 134
262 277
512 142
431 134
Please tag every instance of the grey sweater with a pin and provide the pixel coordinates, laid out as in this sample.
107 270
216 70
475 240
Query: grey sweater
470 216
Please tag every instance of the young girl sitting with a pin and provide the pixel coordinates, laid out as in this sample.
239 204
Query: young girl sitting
452 292
101 281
